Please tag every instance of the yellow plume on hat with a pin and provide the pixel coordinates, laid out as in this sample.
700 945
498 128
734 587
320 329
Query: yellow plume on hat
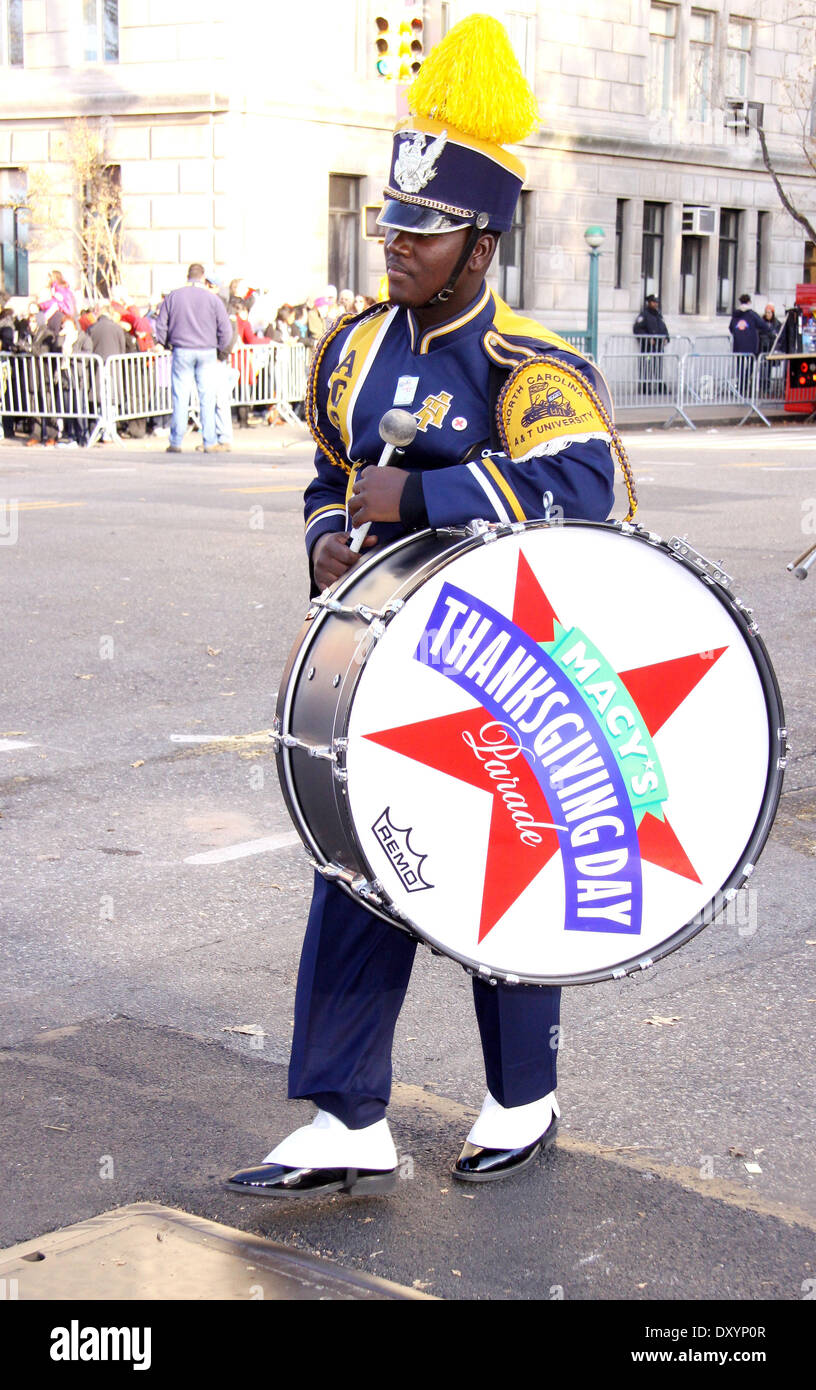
472 80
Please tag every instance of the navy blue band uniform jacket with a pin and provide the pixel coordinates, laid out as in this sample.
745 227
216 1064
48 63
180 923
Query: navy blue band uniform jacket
452 374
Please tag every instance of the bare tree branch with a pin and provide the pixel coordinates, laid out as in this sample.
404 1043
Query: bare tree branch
783 197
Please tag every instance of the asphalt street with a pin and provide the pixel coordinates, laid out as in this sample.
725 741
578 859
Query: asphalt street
154 900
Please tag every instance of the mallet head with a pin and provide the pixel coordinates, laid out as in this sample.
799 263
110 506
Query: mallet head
398 428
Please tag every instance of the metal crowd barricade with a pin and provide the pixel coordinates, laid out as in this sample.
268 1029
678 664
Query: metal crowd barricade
49 388
255 384
627 344
578 338
711 344
263 374
291 367
718 379
139 385
646 381
271 374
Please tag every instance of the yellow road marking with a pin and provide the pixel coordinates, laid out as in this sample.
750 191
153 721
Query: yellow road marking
724 1190
279 488
42 506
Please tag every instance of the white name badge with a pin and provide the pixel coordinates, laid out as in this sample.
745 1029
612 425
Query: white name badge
406 390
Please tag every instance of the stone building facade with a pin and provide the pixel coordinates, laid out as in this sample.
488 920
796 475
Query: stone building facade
251 137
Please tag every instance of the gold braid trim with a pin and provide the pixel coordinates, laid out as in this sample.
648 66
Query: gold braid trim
310 399
581 381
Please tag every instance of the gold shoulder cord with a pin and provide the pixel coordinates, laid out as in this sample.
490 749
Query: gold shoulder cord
616 441
310 403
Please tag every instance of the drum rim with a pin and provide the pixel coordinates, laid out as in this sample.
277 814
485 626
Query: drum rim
763 823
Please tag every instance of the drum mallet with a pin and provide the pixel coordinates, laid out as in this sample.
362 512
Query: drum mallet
397 429
801 566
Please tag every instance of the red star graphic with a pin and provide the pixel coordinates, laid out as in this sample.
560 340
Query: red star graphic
511 864
443 743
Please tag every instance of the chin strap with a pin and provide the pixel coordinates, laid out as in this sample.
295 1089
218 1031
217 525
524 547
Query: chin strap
473 236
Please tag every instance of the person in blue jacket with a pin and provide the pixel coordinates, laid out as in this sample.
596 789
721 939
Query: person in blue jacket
746 329
447 342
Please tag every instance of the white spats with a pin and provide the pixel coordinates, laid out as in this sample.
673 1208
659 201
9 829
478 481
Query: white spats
328 1143
498 1128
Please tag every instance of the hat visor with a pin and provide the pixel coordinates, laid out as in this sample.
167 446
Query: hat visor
410 217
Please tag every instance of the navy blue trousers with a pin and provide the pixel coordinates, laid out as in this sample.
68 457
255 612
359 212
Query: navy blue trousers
354 973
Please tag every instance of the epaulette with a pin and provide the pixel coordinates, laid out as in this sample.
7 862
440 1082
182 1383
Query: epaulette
511 338
310 399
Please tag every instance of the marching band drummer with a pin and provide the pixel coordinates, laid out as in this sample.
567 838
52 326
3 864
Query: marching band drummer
443 345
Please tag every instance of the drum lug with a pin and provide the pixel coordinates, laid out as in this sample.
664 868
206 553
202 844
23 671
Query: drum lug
483 530
280 740
318 751
340 746
370 890
632 528
711 571
621 973
329 871
360 610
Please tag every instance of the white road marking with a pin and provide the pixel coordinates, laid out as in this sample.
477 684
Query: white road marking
269 842
773 439
199 738
6 744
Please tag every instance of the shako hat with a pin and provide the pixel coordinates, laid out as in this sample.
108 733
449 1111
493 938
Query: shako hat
449 168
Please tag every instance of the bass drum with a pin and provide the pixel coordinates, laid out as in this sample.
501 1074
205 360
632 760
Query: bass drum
551 752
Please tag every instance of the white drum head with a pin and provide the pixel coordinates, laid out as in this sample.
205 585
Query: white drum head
558 753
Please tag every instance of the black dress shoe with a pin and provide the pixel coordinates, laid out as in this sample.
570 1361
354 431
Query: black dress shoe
276 1180
478 1164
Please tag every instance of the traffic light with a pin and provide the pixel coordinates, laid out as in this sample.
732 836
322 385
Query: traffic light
385 45
417 44
399 43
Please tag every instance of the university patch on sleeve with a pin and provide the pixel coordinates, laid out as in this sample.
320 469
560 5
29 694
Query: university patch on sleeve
546 405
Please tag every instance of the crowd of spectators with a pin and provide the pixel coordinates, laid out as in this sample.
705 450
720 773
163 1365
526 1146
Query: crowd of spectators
57 326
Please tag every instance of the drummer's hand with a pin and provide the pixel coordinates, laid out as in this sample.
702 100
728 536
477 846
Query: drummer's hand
331 556
376 495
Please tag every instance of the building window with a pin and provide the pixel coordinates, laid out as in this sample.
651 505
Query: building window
344 231
809 268
701 46
13 232
761 243
511 257
11 33
620 211
521 32
727 261
662 29
100 31
739 48
652 255
691 249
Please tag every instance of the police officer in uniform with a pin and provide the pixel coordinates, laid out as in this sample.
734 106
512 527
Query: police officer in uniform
445 343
